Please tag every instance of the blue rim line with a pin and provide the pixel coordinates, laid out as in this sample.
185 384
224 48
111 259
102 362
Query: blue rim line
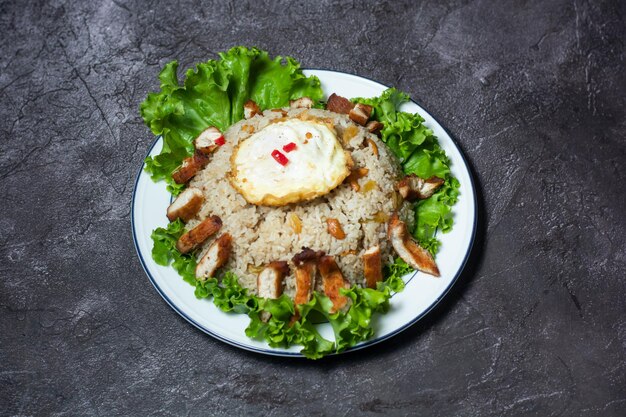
297 354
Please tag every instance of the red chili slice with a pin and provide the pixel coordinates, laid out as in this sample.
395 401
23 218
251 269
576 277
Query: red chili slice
220 141
279 157
289 147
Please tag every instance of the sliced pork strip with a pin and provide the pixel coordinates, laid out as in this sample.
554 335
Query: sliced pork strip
215 257
360 113
199 234
190 167
372 266
333 281
339 104
414 188
408 249
209 140
186 205
270 280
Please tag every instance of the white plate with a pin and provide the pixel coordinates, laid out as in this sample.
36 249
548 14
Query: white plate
422 292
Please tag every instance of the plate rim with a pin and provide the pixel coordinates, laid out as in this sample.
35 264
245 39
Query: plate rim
366 343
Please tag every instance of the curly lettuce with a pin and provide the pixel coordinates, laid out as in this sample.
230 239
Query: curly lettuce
419 153
213 94
164 251
350 327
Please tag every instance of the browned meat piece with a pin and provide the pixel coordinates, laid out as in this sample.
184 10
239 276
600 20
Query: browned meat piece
305 277
199 234
250 109
190 167
413 187
372 266
360 113
215 257
333 281
209 140
306 270
186 205
306 255
408 249
374 127
301 103
269 282
339 104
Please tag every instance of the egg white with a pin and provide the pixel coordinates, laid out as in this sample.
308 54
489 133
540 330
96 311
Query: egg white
317 165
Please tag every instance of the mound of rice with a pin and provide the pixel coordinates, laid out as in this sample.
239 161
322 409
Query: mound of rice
264 234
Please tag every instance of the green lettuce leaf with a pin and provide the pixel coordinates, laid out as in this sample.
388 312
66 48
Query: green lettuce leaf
435 213
350 327
420 154
213 94
394 272
164 251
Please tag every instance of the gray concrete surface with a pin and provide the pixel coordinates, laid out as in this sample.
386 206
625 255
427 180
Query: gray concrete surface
534 93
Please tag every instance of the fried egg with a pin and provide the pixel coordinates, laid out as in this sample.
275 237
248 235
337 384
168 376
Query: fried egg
289 161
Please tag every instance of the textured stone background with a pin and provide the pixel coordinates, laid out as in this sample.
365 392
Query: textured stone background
534 93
